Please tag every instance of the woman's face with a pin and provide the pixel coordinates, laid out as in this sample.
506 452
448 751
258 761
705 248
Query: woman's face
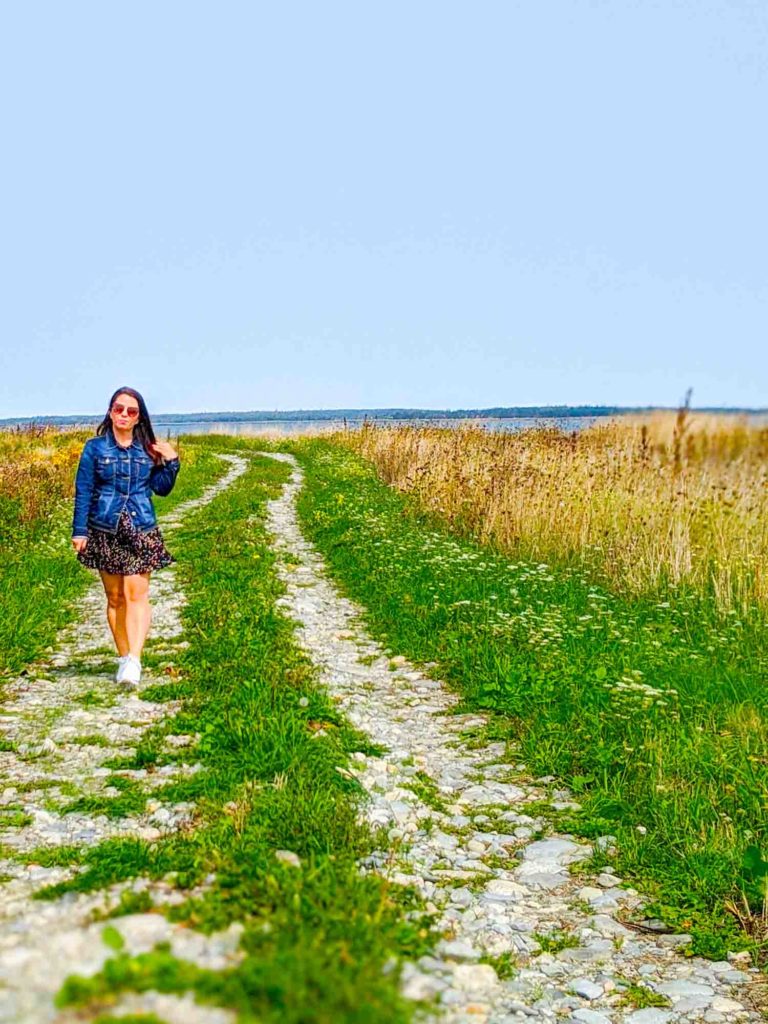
124 412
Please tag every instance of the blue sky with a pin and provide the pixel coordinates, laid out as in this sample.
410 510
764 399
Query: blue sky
301 205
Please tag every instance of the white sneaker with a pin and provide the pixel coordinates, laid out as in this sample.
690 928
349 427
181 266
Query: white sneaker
121 662
131 670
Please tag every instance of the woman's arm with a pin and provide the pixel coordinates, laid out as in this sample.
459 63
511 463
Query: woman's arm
84 484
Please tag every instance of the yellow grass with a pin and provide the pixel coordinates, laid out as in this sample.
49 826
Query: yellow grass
671 498
37 471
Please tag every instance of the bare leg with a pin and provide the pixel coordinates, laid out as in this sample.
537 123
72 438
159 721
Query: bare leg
116 608
138 613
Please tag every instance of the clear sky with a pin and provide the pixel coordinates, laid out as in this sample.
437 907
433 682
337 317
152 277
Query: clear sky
252 205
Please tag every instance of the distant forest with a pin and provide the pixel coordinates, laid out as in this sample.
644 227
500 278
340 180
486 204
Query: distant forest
499 412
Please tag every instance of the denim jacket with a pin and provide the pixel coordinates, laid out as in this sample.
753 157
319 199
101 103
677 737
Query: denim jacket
111 478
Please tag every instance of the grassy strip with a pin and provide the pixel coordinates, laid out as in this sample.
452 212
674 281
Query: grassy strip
317 937
40 577
652 711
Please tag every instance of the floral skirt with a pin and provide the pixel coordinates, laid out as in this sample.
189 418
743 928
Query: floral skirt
127 552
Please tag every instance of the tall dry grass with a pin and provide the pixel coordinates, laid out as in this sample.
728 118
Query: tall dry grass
37 471
671 498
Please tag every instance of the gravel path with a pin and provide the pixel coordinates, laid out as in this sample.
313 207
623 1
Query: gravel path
59 722
465 838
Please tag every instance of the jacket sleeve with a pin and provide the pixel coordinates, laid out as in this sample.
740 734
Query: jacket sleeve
84 484
162 478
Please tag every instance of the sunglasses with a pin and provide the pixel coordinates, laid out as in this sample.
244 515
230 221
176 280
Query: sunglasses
129 410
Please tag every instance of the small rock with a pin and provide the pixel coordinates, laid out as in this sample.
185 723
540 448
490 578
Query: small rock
655 924
691 1004
475 978
288 857
590 1017
562 851
607 880
742 958
586 989
683 989
421 986
720 1004
650 1015
462 897
456 949
605 844
595 952
674 941
536 879
589 893
606 925
501 890
179 740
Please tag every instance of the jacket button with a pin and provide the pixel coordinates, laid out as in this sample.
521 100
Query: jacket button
133 513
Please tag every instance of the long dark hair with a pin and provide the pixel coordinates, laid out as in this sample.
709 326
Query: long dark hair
143 429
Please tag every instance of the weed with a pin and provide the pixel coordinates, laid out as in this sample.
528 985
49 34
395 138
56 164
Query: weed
505 964
641 996
555 942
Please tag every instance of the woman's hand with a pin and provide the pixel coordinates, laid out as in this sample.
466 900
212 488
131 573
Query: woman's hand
78 543
165 449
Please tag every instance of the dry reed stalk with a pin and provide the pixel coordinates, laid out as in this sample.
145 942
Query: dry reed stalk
669 498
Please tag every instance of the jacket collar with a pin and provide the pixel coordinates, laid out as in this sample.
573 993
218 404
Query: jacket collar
112 443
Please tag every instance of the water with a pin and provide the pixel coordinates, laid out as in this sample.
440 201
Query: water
288 427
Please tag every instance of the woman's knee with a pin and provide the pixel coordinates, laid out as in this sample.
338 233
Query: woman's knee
136 589
115 597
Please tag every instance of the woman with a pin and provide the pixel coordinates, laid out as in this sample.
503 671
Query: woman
114 527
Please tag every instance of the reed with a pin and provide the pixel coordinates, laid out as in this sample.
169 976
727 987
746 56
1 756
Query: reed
671 499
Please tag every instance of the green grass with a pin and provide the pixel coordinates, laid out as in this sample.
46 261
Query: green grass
555 942
130 1018
315 937
653 711
640 996
130 802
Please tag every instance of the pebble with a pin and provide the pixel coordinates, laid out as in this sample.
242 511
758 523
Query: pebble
650 1015
458 949
684 988
608 881
585 1016
288 857
475 978
586 988
589 893
720 1004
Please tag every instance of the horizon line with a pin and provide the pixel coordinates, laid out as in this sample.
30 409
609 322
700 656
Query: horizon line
488 412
